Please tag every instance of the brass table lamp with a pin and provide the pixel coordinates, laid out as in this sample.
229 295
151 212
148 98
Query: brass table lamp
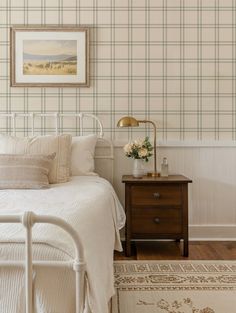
129 121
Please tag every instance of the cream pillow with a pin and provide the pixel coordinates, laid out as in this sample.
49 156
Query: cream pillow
82 155
59 144
25 171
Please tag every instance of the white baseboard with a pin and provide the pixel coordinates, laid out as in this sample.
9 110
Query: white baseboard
212 232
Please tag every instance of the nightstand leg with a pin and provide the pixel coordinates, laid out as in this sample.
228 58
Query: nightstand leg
127 247
128 221
186 247
127 240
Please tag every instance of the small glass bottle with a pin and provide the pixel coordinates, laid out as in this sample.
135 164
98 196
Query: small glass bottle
164 168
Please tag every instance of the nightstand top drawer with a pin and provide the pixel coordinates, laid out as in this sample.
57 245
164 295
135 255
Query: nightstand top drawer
150 195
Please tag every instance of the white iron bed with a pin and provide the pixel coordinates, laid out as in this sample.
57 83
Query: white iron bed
92 223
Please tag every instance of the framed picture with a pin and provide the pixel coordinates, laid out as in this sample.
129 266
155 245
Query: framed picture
49 56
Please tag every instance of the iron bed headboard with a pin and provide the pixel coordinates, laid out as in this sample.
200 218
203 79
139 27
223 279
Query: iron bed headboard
57 119
103 143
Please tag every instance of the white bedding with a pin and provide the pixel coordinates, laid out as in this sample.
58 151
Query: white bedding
91 206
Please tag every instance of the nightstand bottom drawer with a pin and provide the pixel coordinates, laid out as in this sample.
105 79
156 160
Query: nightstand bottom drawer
156 221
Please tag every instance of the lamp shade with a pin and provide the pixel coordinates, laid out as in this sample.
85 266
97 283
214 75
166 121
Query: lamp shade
127 121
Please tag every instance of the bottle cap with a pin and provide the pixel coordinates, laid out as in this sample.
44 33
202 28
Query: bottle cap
165 160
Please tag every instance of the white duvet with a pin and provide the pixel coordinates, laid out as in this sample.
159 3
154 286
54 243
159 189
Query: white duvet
91 206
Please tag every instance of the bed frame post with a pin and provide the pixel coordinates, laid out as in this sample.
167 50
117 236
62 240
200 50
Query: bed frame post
79 268
27 221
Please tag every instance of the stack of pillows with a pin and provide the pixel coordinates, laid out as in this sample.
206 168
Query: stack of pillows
36 162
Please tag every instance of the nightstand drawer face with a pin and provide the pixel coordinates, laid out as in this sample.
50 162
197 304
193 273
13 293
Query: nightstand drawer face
156 195
156 221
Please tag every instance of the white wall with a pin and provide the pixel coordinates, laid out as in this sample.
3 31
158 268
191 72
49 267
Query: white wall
212 195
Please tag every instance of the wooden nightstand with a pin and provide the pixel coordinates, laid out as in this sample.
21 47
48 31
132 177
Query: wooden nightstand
156 208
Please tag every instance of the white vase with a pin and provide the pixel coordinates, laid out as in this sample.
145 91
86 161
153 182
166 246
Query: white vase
138 169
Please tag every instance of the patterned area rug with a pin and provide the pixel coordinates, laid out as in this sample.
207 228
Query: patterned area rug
175 287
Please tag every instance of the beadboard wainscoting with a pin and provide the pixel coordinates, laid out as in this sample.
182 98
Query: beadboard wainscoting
212 195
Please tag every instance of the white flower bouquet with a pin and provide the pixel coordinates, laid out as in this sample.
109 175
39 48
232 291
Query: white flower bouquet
139 149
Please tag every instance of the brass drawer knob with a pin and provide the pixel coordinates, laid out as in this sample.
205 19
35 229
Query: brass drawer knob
156 195
156 220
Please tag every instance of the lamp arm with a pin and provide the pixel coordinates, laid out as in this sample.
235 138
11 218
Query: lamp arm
154 141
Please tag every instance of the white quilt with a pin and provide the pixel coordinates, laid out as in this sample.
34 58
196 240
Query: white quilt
91 206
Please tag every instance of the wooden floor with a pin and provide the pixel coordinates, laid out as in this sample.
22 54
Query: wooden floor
171 250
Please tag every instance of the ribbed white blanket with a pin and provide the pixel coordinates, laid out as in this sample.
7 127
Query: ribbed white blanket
91 206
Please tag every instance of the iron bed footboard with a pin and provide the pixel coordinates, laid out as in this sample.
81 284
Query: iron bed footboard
28 219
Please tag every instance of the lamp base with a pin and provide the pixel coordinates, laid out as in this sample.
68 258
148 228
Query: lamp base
153 174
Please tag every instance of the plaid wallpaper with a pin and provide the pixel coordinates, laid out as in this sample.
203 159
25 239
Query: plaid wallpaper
172 61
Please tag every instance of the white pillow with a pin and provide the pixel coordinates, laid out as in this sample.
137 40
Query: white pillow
59 144
82 155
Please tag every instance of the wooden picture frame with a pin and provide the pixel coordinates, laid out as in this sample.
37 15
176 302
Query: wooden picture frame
49 56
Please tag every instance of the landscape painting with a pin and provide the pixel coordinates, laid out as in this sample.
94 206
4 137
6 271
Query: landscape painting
50 57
